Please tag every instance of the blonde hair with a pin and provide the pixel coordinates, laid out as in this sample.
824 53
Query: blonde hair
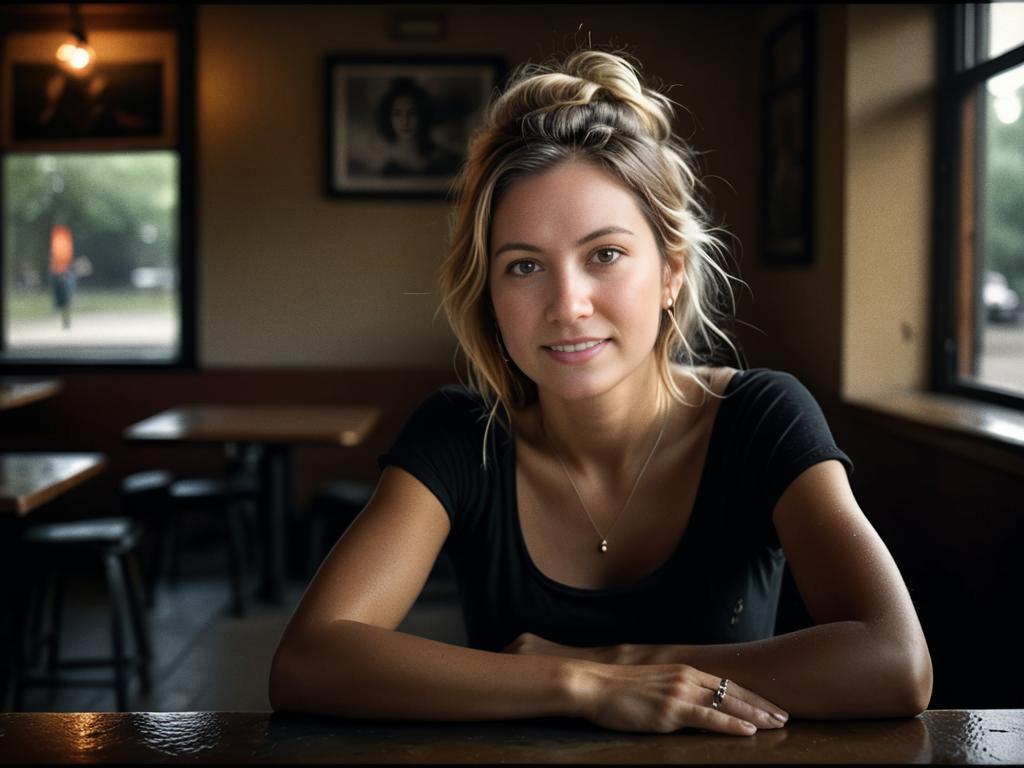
592 107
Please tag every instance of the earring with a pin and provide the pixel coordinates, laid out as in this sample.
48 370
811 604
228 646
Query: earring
501 347
669 305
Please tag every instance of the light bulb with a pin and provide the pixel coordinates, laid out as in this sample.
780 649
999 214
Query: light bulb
76 57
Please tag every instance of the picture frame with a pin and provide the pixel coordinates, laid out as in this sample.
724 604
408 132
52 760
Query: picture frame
414 147
788 126
127 101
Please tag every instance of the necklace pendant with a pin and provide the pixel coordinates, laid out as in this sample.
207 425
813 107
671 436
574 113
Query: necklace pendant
604 545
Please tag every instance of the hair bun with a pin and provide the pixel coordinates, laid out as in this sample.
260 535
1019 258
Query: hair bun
620 80
585 77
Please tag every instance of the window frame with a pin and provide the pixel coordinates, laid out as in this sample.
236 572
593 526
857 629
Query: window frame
185 28
953 86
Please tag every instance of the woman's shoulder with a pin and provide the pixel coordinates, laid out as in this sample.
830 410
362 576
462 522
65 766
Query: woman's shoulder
752 381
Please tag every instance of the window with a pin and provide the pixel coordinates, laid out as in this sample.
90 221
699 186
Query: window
95 224
980 207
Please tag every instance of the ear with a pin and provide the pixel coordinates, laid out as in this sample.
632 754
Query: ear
673 276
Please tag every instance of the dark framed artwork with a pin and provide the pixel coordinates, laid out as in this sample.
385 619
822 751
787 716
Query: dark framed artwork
787 189
127 101
400 127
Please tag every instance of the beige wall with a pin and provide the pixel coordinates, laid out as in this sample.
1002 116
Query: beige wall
889 156
290 278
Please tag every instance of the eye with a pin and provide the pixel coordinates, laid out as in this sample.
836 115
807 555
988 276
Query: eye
523 267
607 255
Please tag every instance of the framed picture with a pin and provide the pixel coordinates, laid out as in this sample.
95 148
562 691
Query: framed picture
127 101
787 189
399 127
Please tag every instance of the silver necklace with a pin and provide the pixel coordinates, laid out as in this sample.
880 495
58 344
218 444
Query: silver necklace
603 547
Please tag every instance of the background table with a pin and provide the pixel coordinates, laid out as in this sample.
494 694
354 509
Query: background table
28 480
276 428
16 391
941 736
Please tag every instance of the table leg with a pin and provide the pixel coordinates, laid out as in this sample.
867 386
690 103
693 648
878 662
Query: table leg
276 498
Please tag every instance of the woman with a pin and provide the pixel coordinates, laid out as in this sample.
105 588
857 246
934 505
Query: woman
617 514
405 118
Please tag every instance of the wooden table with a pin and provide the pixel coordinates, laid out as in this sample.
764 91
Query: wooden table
276 429
28 480
940 736
16 391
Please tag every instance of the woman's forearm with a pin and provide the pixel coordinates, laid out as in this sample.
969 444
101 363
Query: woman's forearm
837 670
358 670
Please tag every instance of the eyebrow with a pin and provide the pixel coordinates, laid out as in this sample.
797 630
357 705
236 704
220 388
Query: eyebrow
582 241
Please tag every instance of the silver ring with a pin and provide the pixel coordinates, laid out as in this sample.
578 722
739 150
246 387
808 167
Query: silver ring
723 686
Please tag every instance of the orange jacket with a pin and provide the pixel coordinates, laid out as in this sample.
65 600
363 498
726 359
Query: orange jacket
61 249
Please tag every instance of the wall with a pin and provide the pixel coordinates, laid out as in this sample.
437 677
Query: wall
288 277
889 156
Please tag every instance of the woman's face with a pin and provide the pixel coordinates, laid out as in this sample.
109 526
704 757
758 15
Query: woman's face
577 282
404 117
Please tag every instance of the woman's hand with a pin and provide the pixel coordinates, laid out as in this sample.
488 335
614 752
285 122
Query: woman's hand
666 697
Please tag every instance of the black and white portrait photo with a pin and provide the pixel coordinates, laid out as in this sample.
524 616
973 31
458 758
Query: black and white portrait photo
401 127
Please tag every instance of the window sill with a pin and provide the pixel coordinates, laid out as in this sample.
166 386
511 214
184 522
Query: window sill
983 432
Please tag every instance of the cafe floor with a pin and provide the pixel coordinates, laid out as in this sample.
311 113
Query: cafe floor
204 658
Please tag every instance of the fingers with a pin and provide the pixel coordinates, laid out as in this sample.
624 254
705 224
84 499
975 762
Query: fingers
722 722
736 706
744 703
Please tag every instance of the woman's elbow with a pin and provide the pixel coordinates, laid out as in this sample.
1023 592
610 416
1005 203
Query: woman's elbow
921 683
913 681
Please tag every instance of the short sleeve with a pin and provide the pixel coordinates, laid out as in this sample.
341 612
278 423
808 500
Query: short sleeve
441 446
784 430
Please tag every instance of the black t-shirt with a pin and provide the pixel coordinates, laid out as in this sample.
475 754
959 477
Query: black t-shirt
720 585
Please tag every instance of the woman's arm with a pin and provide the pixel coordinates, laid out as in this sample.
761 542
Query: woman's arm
866 656
341 655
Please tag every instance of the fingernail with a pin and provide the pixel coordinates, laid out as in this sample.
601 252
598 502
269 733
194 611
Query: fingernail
750 727
780 718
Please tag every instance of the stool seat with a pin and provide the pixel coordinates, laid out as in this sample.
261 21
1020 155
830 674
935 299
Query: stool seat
102 533
350 493
149 481
213 488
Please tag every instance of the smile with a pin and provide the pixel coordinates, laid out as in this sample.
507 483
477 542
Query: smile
575 347
577 352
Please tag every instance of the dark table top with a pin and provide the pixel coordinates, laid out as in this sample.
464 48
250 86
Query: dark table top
29 480
939 736
16 391
341 425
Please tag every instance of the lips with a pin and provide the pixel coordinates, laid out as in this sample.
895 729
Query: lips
578 347
574 351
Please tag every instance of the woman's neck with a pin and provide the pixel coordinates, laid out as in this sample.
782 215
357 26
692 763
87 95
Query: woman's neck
606 432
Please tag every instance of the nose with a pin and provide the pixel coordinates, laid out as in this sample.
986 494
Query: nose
571 297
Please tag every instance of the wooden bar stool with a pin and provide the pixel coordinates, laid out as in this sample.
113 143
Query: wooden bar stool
161 499
145 498
54 549
228 497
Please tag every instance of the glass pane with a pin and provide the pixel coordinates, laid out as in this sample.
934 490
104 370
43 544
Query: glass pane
90 255
1005 27
997 266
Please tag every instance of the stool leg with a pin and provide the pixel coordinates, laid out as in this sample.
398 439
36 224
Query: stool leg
35 608
155 563
236 557
20 618
137 612
118 599
56 616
